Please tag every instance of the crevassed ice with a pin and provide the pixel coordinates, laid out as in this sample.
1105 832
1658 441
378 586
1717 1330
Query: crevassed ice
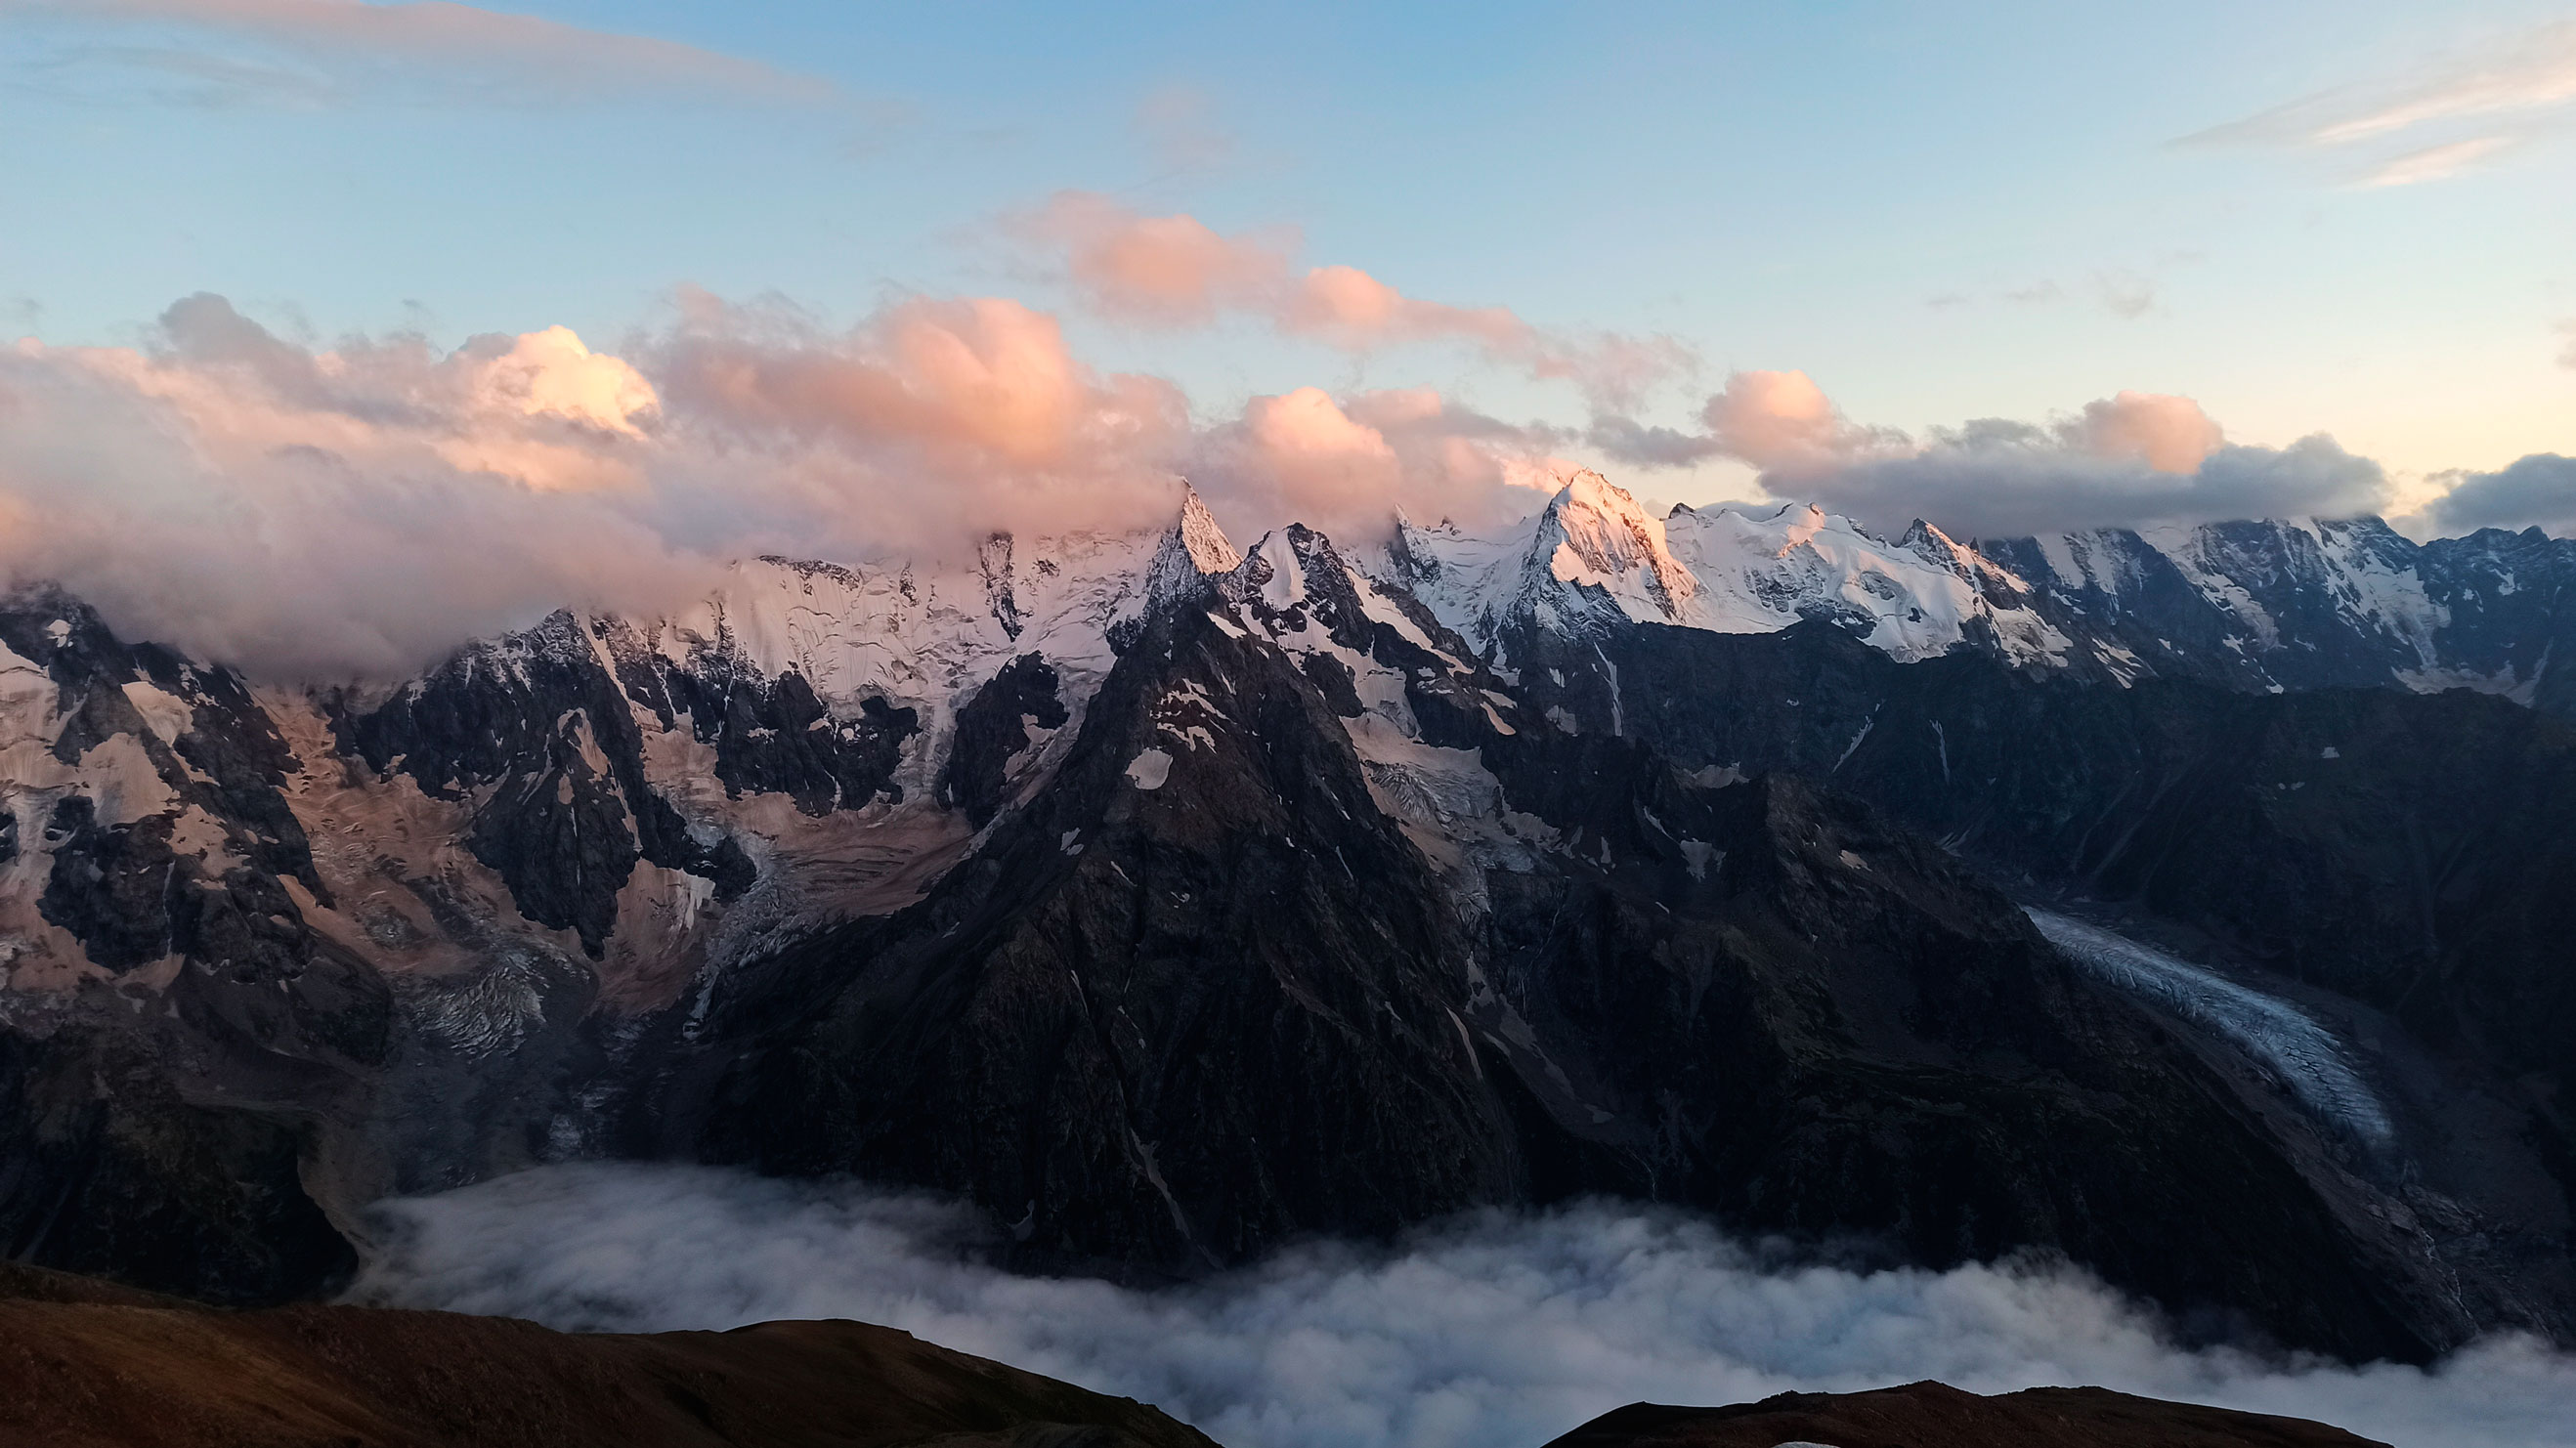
2304 1054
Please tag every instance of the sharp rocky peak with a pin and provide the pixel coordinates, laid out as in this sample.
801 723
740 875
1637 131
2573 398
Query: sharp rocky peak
1193 551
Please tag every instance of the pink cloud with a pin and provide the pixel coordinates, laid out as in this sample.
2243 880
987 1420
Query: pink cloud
1348 464
2171 434
1177 271
1162 270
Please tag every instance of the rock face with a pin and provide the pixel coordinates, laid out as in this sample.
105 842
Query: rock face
90 1365
1174 901
1932 1415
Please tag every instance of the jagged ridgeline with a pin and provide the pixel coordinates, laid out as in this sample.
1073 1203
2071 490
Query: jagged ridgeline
1173 902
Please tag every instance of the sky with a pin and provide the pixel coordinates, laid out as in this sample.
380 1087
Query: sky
1329 259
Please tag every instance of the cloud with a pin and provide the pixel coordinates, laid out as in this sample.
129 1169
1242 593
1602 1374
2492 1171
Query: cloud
1489 1329
2169 434
1347 464
364 508
2125 294
1178 124
1176 271
1995 479
435 37
360 509
2433 163
1773 420
2505 92
1168 271
2539 489
2567 355
2133 460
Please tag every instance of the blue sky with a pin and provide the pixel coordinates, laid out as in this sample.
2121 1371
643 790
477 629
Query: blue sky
1938 212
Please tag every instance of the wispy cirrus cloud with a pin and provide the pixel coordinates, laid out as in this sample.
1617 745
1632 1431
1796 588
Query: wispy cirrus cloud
2435 122
2434 163
1179 125
346 45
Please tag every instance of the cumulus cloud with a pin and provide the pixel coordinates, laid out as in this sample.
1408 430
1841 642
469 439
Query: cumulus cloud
2132 460
1177 271
2500 95
1492 1329
2538 490
2168 434
425 37
1346 465
362 508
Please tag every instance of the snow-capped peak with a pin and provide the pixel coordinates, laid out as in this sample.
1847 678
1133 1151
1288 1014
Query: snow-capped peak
1594 532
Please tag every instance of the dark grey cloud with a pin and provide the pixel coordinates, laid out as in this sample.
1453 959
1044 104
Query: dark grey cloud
1493 1329
2539 489
1624 439
2000 479
2133 460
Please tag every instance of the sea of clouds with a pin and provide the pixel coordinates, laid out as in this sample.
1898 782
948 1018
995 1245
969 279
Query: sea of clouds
1491 1329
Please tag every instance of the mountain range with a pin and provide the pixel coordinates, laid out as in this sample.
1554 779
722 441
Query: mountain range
2190 904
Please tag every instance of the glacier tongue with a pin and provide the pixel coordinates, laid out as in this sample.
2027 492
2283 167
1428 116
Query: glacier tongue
2304 1055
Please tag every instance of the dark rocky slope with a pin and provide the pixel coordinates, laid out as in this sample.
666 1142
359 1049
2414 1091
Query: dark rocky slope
1194 999
90 1366
168 1146
1179 1011
1931 1415
2408 851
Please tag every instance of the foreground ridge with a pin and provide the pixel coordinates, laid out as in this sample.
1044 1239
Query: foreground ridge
90 1366
1935 1415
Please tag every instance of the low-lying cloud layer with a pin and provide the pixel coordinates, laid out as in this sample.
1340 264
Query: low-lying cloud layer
1495 1330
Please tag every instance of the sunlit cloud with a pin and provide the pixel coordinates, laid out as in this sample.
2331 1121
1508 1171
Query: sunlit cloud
361 508
1177 271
